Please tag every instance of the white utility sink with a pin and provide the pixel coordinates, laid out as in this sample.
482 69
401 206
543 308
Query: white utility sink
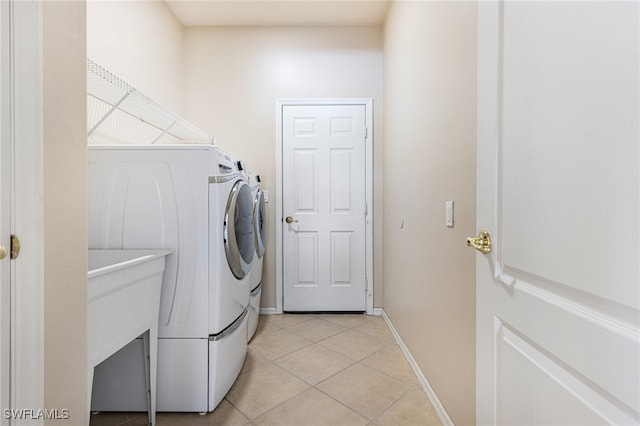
123 298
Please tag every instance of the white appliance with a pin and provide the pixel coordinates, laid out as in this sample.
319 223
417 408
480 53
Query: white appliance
194 200
259 223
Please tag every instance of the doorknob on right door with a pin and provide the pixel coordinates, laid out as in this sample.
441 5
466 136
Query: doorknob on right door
290 219
482 242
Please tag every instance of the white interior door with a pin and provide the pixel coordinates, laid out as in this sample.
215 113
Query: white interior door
559 190
324 207
5 187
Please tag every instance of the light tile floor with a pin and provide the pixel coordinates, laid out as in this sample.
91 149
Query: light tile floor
320 369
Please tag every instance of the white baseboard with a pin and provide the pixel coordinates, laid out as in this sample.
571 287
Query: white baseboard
274 311
431 394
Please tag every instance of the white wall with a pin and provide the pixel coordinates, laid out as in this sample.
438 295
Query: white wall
234 76
140 42
65 209
429 158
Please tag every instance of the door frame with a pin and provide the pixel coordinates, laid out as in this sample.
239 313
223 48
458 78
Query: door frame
5 209
26 104
368 104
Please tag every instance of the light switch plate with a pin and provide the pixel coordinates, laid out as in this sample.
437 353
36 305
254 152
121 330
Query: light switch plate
449 213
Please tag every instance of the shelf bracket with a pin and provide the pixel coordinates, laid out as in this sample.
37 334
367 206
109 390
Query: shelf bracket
113 108
164 132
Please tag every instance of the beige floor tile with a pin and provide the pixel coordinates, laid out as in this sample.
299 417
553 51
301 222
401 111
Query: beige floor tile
347 320
264 326
108 419
391 361
376 327
354 344
285 320
316 329
252 361
139 419
364 390
226 414
258 391
181 419
412 409
311 408
314 363
277 344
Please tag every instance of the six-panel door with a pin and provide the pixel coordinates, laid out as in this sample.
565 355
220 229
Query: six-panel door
324 201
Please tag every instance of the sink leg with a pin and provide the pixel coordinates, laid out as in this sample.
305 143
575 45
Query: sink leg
150 344
89 390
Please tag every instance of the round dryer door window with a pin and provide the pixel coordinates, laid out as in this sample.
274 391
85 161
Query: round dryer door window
238 230
259 222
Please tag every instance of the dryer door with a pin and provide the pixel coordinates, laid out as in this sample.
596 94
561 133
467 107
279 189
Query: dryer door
259 224
238 230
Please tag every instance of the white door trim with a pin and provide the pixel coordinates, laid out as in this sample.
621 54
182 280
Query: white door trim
27 206
368 104
5 209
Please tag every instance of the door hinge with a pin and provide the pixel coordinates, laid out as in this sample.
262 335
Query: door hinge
15 246
366 132
366 208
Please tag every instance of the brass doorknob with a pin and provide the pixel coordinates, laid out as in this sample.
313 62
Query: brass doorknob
290 219
15 246
482 242
3 252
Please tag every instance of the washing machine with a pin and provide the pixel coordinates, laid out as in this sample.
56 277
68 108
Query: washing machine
259 224
195 200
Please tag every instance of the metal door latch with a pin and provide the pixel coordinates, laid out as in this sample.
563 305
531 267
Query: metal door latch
15 246
14 249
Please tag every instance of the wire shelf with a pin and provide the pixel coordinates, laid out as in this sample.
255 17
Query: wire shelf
111 94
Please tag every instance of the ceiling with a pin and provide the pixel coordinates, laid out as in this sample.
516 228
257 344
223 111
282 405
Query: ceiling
279 13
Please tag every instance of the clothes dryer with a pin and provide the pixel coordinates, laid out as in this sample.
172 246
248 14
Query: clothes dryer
195 200
259 222
231 231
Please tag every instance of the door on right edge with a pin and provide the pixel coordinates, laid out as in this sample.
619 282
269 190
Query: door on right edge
559 192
